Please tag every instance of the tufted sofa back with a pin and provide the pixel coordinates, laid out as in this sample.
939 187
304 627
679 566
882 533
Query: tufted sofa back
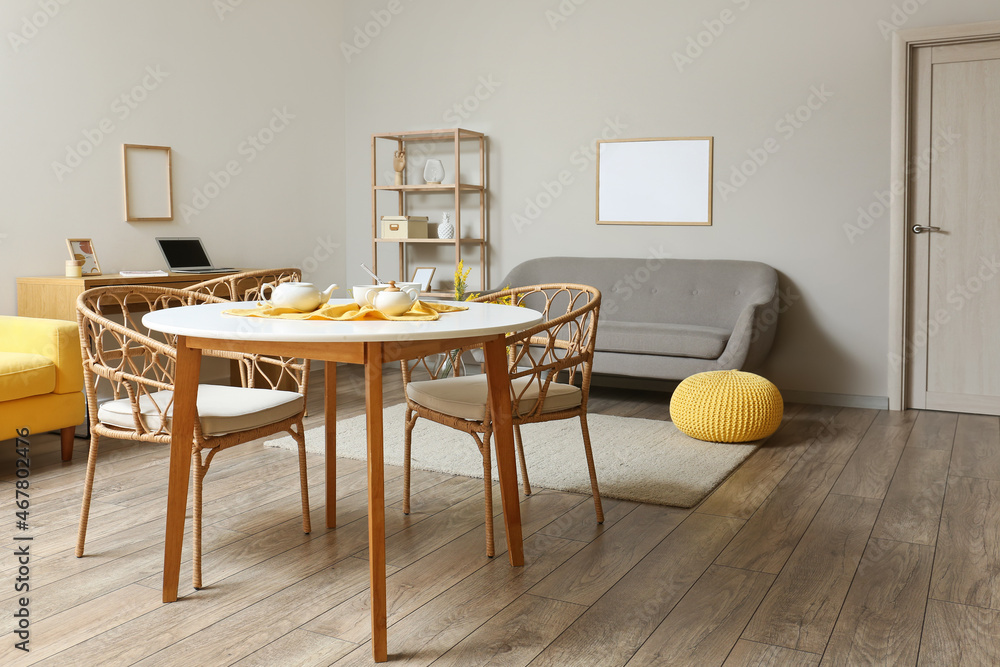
705 292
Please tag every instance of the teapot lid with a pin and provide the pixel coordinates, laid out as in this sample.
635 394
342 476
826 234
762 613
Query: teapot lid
392 287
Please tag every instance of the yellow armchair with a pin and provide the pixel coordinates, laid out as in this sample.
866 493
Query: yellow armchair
41 378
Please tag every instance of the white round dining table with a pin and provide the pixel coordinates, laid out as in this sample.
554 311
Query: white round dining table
370 343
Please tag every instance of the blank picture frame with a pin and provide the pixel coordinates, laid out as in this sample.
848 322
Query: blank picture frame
658 181
148 183
423 275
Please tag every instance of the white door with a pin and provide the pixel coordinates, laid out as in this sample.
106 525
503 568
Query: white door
954 309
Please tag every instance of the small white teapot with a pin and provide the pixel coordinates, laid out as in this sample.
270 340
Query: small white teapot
393 301
299 296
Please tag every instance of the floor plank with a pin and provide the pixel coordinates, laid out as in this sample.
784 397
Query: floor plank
595 569
977 447
752 654
515 635
869 471
422 637
704 626
774 530
801 608
967 566
882 616
911 511
934 430
743 491
614 628
298 648
836 441
960 636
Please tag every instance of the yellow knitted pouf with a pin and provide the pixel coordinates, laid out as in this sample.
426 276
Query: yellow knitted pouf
726 406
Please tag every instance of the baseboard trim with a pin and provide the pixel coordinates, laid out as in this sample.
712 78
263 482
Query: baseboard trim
789 396
838 400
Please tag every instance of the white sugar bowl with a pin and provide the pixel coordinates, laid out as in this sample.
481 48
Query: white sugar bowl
393 301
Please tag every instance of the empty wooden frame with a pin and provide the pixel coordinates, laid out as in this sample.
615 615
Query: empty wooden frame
148 195
664 181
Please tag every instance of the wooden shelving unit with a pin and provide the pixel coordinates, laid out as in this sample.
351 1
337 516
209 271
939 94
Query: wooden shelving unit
456 189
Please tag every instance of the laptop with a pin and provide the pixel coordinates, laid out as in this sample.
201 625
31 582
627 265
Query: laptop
187 255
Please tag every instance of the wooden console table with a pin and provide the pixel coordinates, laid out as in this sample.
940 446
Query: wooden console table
54 297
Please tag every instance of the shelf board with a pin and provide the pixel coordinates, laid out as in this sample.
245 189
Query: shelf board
442 187
429 135
442 241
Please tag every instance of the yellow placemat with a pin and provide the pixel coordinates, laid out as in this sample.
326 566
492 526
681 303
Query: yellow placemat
420 311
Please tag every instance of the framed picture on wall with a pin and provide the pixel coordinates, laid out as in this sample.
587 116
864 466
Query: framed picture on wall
423 275
84 249
664 181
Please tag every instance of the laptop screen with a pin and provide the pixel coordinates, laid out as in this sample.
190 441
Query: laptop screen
184 253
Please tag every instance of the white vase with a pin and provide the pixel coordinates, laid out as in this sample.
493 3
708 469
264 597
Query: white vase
433 171
446 230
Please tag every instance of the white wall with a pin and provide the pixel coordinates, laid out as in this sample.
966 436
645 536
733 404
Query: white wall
225 67
564 72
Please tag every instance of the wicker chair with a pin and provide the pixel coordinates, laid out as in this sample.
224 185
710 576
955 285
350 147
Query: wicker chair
136 366
245 286
563 341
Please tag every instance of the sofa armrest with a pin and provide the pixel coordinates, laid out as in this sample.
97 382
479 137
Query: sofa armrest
753 334
59 340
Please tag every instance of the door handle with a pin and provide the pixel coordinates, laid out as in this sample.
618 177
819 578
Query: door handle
919 229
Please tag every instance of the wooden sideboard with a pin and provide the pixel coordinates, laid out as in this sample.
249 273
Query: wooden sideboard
55 297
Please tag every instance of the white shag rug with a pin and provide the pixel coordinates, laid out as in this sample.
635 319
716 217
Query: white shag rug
636 459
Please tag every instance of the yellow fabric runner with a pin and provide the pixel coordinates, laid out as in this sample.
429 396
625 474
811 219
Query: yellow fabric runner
420 311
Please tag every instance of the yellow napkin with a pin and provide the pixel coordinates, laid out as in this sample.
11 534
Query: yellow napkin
420 311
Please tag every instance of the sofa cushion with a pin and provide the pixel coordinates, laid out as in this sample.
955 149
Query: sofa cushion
222 409
465 397
23 374
668 340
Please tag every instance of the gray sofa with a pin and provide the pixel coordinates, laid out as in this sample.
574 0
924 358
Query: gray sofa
670 318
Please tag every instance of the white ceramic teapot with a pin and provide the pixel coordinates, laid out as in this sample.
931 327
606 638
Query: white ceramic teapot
392 300
299 296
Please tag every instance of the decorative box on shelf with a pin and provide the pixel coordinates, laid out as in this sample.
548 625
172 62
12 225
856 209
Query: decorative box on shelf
404 226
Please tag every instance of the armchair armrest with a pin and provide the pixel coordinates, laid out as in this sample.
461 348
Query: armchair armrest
59 340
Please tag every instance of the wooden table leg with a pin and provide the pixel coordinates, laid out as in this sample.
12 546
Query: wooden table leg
498 378
376 498
330 397
181 437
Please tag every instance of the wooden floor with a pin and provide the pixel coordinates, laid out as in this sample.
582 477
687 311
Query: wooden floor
853 537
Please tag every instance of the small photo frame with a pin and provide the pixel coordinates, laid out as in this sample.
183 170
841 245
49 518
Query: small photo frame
84 249
423 275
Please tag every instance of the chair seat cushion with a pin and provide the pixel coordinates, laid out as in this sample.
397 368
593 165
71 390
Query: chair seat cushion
23 374
221 409
668 340
465 397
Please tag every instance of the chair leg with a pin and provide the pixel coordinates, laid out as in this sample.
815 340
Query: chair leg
411 421
520 455
298 434
88 487
199 472
66 435
488 492
590 466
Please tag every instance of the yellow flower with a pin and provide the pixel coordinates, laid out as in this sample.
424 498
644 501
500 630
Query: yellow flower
461 277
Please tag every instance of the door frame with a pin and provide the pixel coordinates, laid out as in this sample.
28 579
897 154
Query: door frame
904 43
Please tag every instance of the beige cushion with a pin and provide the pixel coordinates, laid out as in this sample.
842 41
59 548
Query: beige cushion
465 397
222 409
23 375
